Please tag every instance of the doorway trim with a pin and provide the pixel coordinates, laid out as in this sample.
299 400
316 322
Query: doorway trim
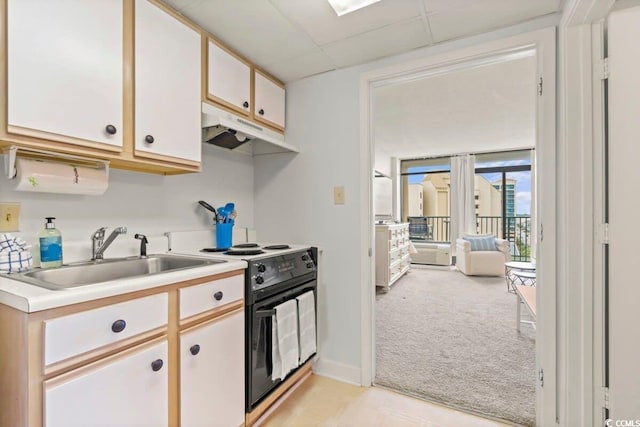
544 43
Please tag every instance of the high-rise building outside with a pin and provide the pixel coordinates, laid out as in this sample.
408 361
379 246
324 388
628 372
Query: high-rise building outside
510 195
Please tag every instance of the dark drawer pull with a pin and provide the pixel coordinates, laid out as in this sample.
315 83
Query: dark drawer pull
218 295
149 139
245 104
261 112
195 349
111 129
118 326
157 364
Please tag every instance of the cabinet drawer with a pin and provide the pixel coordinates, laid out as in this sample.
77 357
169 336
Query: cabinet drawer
201 298
78 333
394 256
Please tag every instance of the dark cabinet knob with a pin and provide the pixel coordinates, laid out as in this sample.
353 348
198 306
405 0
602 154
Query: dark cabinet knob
218 296
259 280
111 129
245 104
262 268
195 349
149 139
118 326
261 112
157 364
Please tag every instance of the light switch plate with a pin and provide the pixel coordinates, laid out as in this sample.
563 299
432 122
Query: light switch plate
338 195
9 216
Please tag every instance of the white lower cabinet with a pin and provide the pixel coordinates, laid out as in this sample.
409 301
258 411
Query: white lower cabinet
212 373
131 389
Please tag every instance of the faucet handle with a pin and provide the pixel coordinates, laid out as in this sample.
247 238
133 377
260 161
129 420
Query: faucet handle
98 234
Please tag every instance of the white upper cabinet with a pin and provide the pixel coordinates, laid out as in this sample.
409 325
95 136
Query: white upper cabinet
65 71
167 85
228 79
270 101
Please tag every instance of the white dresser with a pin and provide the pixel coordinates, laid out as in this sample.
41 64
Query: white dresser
392 253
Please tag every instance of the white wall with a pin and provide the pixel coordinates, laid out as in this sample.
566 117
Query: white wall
294 193
144 203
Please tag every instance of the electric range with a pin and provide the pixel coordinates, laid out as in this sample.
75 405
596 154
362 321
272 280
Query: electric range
275 274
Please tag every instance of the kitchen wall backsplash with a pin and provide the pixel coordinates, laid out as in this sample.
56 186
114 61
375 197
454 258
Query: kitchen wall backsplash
144 203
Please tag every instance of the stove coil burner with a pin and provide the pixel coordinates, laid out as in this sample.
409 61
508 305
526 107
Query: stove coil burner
214 249
246 245
244 252
277 247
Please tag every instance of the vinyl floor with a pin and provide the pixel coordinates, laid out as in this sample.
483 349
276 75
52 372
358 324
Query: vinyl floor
321 401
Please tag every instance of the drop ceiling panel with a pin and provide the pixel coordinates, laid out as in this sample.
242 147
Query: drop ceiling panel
311 63
451 19
487 108
320 21
254 28
385 41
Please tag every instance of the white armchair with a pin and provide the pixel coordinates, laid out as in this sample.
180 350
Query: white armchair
482 263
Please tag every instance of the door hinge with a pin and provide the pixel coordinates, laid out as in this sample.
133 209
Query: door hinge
605 68
605 395
370 252
540 86
603 234
541 233
541 377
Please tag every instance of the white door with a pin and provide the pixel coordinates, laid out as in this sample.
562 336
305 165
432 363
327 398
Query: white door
624 205
168 85
129 391
65 69
229 79
270 101
212 373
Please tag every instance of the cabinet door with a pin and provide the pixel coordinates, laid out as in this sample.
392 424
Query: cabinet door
270 99
64 65
168 85
228 79
212 373
122 391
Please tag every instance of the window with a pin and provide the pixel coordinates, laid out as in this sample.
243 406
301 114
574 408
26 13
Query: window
504 181
426 180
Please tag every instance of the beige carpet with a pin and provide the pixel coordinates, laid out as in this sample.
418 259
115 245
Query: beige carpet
443 336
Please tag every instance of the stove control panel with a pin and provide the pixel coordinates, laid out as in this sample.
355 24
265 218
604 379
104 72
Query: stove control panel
272 270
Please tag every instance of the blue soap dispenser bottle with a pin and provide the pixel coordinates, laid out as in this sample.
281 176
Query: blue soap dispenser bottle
50 245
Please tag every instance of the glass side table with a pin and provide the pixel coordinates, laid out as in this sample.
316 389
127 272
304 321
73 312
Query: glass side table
513 267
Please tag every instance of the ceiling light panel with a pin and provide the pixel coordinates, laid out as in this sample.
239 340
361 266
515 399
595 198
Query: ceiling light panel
320 22
342 7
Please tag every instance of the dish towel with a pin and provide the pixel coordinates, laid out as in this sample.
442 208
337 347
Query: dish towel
14 256
284 347
307 325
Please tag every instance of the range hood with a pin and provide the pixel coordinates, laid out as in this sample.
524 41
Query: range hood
227 130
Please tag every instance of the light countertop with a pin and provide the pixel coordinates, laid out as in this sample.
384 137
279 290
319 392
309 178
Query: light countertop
31 298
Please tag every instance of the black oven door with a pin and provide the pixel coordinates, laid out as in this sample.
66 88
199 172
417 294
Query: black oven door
259 339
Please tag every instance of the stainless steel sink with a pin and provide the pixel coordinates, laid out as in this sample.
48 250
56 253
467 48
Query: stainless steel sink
100 271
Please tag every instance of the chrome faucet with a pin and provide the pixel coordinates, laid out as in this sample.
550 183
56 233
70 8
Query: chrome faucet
99 245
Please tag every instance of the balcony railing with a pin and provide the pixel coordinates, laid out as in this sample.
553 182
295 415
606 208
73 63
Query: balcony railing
517 231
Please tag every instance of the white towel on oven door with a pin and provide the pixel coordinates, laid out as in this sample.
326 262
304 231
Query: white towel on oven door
307 325
284 348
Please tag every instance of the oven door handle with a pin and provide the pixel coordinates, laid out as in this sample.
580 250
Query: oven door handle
265 313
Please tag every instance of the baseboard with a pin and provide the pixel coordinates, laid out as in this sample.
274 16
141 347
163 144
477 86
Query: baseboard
337 371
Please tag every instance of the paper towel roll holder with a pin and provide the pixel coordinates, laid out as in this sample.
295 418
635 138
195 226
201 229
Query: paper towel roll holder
11 153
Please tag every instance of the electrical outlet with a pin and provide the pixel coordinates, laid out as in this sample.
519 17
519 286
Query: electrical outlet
9 216
338 195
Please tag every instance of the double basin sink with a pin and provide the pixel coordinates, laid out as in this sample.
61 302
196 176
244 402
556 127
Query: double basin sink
100 271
